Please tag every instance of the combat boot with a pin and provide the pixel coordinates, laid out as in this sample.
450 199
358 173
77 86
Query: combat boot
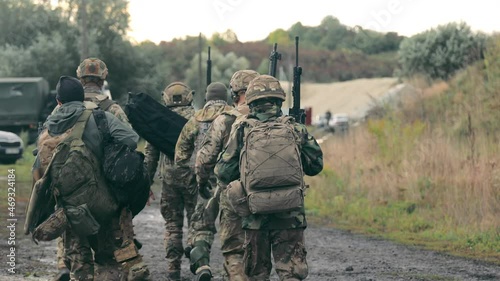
203 273
62 275
173 276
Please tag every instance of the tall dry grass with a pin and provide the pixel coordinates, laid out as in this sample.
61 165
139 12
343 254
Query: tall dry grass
428 169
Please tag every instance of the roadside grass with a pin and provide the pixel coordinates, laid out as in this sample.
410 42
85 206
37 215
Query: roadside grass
426 172
22 184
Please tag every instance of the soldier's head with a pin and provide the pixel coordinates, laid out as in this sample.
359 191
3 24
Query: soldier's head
92 70
177 94
265 89
69 89
239 84
216 91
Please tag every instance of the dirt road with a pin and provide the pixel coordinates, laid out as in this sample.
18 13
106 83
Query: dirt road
353 97
332 255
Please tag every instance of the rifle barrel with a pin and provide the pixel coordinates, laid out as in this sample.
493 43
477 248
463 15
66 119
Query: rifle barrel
209 68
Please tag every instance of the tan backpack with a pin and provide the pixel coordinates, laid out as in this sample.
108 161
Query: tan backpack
270 166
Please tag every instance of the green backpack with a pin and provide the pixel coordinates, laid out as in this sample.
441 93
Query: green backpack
270 166
76 176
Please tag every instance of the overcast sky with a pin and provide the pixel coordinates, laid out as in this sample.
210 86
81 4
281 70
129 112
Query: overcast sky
158 20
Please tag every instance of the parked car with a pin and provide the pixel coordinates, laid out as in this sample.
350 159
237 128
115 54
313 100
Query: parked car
11 147
339 122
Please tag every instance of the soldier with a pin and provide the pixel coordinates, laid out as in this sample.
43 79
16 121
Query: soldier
231 234
103 248
178 190
92 73
185 153
279 232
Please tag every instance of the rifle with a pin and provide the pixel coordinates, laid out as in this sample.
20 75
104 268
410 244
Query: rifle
296 112
209 68
273 58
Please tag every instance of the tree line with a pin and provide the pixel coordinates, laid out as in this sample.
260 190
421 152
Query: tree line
39 39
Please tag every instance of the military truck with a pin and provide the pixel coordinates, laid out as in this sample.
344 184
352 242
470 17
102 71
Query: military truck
24 103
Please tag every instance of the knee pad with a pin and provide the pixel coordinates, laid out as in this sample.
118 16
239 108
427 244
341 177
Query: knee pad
199 255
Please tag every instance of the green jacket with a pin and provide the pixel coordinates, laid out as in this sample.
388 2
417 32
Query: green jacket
212 145
66 116
190 140
227 170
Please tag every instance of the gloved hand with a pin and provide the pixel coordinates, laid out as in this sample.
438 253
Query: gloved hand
204 190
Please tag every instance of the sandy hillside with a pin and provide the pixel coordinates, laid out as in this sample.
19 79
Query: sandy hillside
352 97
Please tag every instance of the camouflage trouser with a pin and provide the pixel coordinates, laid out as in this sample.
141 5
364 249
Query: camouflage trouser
175 198
232 238
231 233
115 256
289 253
60 253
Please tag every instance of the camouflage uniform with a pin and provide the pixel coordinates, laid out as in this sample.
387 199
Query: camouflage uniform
178 189
95 69
112 238
231 233
95 95
185 154
279 233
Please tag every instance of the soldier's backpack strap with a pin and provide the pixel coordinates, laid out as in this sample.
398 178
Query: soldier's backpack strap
79 127
105 104
102 124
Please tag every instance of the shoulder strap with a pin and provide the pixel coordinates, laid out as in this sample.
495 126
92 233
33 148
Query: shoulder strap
80 125
105 104
102 124
76 134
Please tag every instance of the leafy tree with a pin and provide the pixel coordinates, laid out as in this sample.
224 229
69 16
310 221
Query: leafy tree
279 36
14 61
297 30
220 39
154 70
440 52
23 20
223 67
51 58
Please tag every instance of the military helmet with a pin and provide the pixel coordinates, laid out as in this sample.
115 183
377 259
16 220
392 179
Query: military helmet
92 67
176 94
216 91
264 86
241 78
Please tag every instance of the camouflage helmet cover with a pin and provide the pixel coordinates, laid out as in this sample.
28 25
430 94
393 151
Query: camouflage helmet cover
92 67
177 94
216 91
264 86
241 78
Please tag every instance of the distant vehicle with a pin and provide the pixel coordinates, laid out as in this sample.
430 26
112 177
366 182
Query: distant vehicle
24 103
339 122
11 147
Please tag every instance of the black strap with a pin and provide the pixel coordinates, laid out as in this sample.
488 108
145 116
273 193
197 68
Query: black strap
102 124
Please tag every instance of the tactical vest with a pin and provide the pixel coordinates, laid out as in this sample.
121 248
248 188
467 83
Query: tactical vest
270 165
